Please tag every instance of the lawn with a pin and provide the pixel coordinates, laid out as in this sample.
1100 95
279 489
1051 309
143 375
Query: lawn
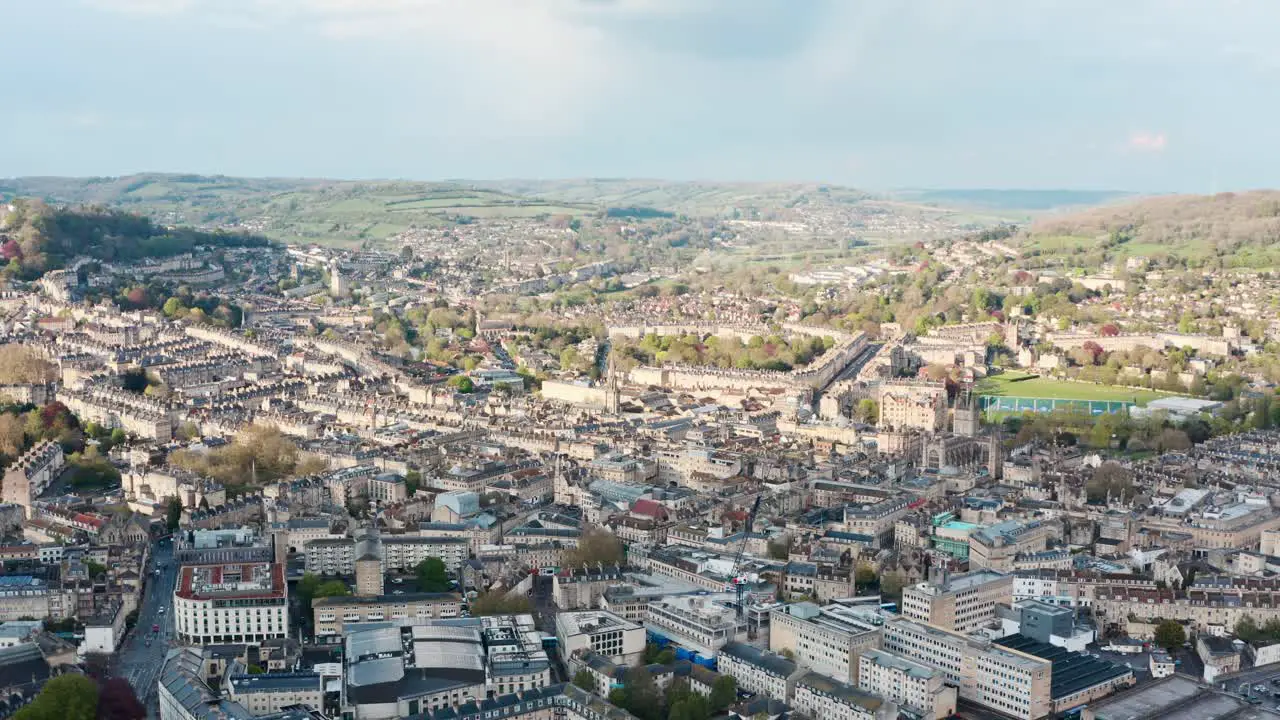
1012 385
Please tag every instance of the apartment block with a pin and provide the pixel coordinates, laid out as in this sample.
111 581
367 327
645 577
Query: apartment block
916 687
913 406
821 698
1009 681
962 603
826 639
756 671
331 615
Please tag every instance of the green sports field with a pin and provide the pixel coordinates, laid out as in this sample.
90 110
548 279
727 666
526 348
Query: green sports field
1029 386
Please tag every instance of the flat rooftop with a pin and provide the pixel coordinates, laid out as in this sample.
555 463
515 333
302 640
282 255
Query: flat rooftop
971 580
1177 697
232 580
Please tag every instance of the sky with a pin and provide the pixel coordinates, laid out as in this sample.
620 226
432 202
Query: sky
1141 95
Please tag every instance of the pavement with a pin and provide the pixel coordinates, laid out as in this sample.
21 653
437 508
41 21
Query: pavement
136 661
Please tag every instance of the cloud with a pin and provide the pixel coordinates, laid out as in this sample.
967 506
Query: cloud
1148 142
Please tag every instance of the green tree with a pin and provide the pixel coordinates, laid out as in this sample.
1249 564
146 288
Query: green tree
868 411
596 546
1170 634
331 588
412 481
66 697
495 602
432 575
651 653
462 384
117 436
891 585
643 699
865 576
585 680
173 513
94 569
173 307
723 693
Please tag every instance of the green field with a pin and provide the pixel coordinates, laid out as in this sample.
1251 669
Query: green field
1012 385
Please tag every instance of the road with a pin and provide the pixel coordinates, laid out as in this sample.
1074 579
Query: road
859 361
544 615
137 661
1244 683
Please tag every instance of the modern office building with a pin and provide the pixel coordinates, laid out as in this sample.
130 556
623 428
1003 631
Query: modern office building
698 624
604 633
917 688
960 603
232 603
1003 679
826 639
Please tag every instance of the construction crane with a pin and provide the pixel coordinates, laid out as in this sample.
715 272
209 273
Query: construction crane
739 582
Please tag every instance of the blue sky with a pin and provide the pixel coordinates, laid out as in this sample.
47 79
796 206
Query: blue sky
1147 95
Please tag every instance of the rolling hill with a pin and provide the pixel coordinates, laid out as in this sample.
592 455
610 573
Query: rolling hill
342 212
1229 230
291 210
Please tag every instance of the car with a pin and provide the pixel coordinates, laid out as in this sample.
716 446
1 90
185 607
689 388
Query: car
161 609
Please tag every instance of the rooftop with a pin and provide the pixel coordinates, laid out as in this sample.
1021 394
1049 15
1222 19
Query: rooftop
841 691
1072 671
897 662
773 664
1177 697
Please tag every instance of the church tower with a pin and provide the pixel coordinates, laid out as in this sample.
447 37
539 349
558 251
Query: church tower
612 393
966 418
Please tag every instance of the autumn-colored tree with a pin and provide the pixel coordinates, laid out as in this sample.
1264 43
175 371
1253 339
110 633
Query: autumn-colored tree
118 701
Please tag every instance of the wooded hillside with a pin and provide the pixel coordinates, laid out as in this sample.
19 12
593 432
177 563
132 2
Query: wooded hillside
35 237
1228 229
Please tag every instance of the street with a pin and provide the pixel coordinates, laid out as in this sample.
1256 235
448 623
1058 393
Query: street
136 661
544 615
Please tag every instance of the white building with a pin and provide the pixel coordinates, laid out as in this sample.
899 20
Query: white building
827 640
1161 665
103 633
1008 681
821 698
603 632
696 623
337 556
234 603
915 686
756 671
